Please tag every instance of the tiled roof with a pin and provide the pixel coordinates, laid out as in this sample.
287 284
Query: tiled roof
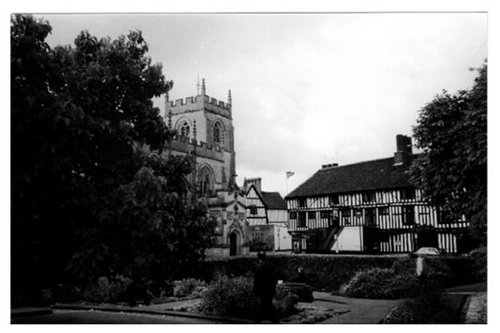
363 176
273 200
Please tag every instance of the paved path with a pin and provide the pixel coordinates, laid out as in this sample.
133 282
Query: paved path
477 310
101 317
357 310
173 306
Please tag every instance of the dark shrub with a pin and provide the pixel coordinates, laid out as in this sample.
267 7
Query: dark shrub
284 305
324 272
139 292
229 296
67 293
234 297
188 287
380 283
399 281
435 269
479 258
107 290
301 290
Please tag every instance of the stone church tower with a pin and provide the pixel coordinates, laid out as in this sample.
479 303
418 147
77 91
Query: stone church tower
207 123
204 127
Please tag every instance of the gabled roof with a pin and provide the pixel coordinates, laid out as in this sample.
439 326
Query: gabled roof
273 200
363 176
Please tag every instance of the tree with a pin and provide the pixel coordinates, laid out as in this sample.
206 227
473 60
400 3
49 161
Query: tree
80 115
452 170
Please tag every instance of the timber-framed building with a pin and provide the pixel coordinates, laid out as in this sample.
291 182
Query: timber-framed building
370 207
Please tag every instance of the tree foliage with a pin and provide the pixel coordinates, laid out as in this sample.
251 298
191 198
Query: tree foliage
452 171
86 201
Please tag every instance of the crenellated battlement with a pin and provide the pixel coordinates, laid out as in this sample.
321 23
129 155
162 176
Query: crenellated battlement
198 101
204 149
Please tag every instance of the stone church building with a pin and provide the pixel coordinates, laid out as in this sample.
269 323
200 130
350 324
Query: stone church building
205 129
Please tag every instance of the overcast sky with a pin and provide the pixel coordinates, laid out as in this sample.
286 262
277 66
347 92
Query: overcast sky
307 89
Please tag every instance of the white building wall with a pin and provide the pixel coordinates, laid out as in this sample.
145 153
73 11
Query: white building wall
349 239
282 239
275 215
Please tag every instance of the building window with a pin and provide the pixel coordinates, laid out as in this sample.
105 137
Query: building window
302 202
407 193
205 182
325 214
346 215
358 216
383 211
334 199
335 216
369 196
311 215
218 133
408 215
302 220
293 215
253 210
185 129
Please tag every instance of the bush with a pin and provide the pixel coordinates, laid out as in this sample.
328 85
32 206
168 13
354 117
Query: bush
301 290
188 287
324 272
380 283
107 290
399 281
479 262
435 270
230 296
284 305
227 296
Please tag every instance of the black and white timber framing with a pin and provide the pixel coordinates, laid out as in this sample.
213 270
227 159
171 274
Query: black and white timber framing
375 196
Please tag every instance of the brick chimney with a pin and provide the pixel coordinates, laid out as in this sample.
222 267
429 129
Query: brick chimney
257 182
403 150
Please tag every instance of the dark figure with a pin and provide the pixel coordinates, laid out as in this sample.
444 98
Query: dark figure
301 276
264 287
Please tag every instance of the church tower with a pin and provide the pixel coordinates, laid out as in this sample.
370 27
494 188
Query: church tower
204 127
206 123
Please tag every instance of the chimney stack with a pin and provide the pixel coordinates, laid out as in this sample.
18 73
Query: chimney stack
403 150
256 182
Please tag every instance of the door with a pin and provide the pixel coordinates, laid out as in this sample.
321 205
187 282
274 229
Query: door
233 244
427 238
370 216
335 218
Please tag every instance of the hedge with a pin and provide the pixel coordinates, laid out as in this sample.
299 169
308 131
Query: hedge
324 272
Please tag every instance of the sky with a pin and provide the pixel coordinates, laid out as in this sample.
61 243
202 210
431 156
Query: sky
307 89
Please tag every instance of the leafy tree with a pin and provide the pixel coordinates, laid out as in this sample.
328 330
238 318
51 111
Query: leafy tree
452 171
82 190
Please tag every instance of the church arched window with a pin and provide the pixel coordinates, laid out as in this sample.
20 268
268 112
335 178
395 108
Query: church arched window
184 129
205 182
218 133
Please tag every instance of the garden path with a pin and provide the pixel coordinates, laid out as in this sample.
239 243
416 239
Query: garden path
357 310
